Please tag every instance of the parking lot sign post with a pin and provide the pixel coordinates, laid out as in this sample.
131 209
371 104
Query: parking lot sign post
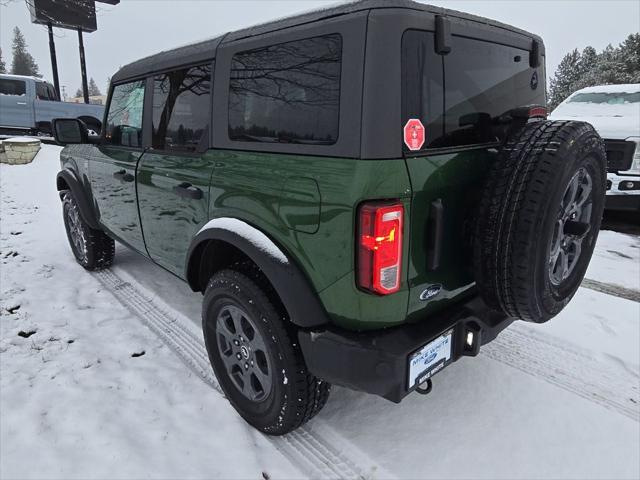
54 62
79 15
83 68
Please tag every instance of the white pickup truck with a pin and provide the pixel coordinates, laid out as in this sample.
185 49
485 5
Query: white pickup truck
28 104
614 111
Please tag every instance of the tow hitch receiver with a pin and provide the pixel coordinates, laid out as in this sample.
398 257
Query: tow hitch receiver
425 387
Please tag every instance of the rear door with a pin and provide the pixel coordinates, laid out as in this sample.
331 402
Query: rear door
15 109
173 175
113 164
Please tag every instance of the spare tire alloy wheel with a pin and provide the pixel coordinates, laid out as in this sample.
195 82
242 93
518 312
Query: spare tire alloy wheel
539 218
244 353
574 222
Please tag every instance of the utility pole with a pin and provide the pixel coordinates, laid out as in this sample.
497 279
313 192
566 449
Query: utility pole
83 68
54 61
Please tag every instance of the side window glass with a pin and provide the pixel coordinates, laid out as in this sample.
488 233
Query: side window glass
52 93
422 84
181 109
41 91
287 93
44 91
12 87
124 120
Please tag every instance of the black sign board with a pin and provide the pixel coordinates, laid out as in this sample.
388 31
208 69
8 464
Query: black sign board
72 14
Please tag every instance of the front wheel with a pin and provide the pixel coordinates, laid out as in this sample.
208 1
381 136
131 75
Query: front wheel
92 248
255 355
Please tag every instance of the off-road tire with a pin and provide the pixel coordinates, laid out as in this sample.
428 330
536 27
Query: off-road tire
295 395
519 213
97 249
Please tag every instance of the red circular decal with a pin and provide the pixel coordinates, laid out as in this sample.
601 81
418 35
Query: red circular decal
414 134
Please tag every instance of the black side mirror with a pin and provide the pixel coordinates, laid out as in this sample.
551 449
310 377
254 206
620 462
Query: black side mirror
68 131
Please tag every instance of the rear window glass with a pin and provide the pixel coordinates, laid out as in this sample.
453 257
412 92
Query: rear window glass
483 81
12 87
181 106
124 120
44 91
422 84
287 93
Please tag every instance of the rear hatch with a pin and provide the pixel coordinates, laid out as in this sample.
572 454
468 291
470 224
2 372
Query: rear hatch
463 101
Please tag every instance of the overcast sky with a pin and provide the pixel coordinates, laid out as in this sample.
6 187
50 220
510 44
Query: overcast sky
136 28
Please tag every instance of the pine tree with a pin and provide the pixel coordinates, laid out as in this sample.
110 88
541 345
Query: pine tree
93 88
630 58
23 63
79 93
3 67
564 79
613 65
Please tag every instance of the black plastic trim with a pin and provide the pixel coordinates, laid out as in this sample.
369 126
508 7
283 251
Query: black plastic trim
443 35
376 362
291 285
435 231
84 205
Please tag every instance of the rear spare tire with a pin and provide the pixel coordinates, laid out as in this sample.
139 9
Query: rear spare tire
539 218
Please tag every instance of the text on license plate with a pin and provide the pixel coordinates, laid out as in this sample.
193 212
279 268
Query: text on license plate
430 359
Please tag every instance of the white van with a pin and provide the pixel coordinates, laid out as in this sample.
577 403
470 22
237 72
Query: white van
614 111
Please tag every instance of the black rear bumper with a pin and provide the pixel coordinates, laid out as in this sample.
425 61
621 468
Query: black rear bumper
377 362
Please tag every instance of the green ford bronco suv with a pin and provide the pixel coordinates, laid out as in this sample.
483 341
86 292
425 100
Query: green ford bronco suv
363 194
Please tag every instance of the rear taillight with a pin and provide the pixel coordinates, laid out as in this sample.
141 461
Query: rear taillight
380 247
537 112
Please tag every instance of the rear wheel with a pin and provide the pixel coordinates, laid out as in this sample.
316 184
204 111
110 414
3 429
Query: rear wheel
256 356
92 248
539 218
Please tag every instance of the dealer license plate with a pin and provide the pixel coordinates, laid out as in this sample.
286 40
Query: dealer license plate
430 359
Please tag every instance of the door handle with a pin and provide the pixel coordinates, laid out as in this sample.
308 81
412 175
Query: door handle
21 103
186 190
123 176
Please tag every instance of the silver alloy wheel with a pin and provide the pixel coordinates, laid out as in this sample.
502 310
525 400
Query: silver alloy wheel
572 224
76 231
244 353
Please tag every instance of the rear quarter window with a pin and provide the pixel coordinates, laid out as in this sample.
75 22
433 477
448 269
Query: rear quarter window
287 93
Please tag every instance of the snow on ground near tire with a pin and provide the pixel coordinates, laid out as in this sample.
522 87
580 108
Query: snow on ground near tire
557 400
74 402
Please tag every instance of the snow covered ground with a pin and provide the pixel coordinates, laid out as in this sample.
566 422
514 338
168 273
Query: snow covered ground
105 375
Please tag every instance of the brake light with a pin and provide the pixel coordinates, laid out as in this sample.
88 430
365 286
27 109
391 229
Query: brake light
380 247
537 112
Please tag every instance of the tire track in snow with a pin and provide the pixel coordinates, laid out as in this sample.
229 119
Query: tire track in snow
307 450
556 362
610 289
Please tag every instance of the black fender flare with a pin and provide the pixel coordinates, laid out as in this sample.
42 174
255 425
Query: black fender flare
290 283
68 177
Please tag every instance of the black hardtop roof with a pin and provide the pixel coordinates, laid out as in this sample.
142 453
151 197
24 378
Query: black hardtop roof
206 50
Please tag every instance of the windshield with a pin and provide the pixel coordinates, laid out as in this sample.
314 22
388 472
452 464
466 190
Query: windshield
613 98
